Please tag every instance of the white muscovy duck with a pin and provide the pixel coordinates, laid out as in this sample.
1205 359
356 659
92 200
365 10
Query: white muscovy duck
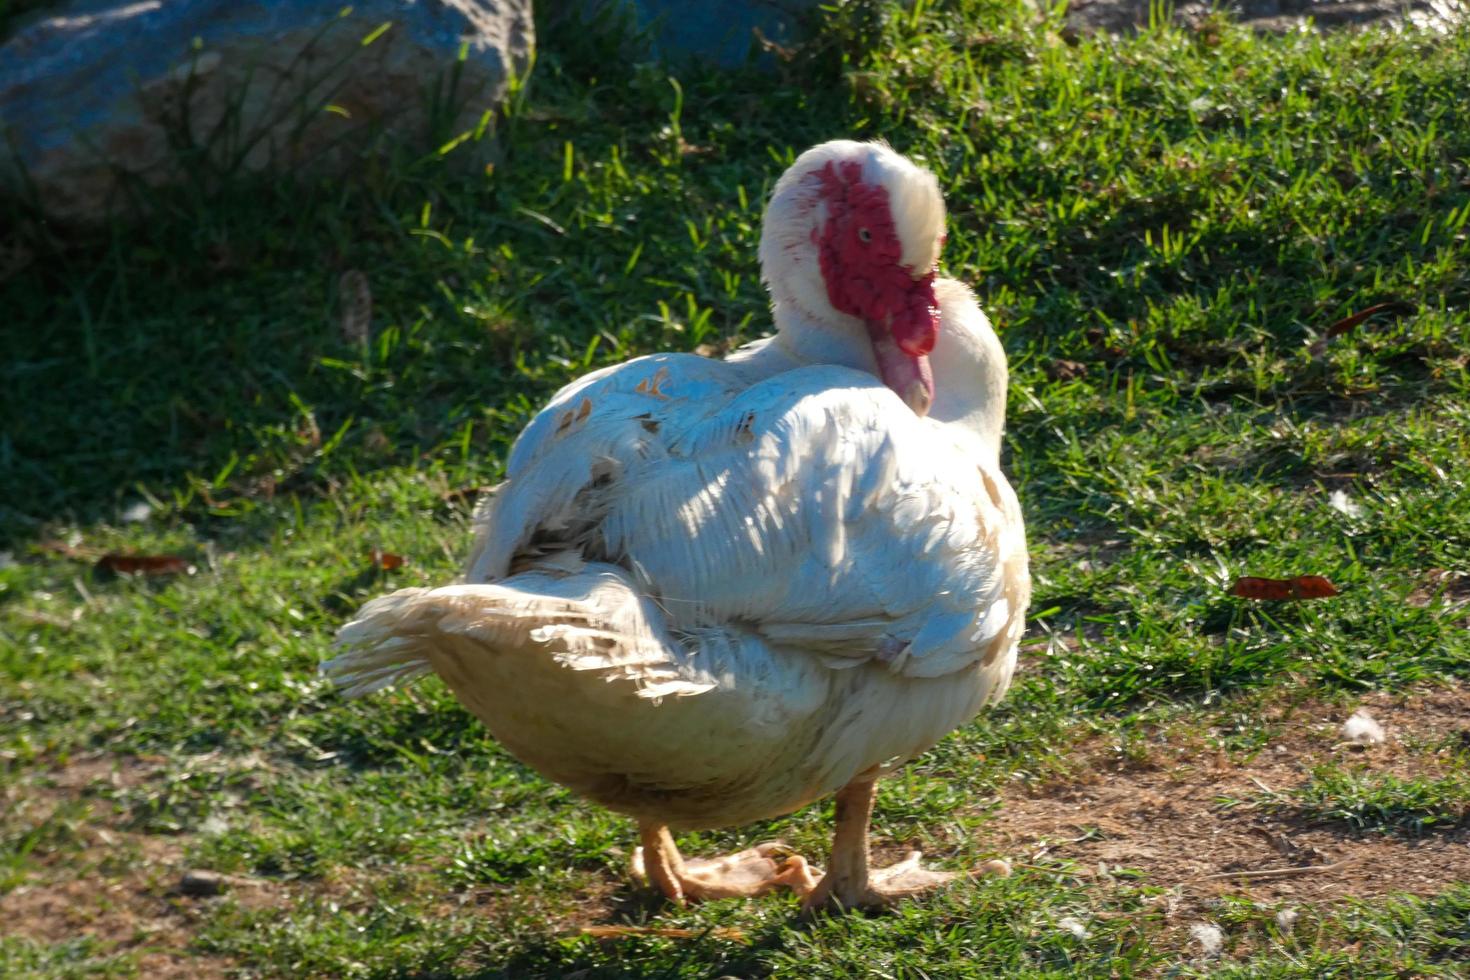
711 592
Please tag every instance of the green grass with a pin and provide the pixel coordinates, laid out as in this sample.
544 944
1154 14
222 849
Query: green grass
1181 214
1367 800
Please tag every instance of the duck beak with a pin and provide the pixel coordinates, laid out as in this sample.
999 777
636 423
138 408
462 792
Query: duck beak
909 376
902 342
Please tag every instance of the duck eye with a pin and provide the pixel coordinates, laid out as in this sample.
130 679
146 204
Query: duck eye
864 235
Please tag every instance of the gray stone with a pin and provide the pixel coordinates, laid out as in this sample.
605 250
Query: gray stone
1272 16
202 883
96 94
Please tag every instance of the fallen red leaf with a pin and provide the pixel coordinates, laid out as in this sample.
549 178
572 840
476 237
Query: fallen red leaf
1349 322
123 564
387 560
1280 589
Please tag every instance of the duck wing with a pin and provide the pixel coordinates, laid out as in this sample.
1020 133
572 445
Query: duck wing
811 507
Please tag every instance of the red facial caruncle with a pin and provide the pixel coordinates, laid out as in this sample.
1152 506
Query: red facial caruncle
861 262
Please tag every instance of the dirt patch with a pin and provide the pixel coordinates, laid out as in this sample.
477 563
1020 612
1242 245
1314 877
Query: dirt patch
135 914
1189 817
93 874
89 876
89 772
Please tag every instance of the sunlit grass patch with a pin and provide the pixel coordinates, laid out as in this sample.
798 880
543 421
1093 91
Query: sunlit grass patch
1374 801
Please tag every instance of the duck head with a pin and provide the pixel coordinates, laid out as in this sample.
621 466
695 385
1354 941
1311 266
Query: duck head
849 247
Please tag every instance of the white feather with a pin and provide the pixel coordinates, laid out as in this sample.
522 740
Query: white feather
1362 728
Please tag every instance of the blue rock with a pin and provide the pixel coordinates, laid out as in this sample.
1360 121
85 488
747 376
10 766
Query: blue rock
97 94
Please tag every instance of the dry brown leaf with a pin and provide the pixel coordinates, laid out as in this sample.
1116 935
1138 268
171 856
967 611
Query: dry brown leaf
356 297
126 564
1279 589
1347 323
387 560
1064 370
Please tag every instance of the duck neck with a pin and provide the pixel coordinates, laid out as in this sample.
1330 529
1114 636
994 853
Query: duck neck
970 375
806 339
969 362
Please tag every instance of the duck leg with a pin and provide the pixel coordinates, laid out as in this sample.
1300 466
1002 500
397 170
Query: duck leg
850 883
745 874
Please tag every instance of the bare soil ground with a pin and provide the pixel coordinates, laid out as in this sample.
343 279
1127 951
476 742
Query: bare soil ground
1193 821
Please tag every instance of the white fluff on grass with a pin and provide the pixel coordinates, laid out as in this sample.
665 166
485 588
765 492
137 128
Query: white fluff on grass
1209 937
1362 729
214 825
1286 920
1073 925
137 512
1344 504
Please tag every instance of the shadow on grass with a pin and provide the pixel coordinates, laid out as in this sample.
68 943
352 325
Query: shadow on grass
197 355
702 952
197 358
